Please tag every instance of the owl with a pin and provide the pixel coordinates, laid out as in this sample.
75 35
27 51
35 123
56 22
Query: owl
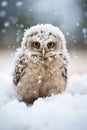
41 63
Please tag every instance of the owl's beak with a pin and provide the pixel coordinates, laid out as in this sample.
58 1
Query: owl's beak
43 52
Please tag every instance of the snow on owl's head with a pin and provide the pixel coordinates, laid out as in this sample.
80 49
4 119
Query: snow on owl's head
44 40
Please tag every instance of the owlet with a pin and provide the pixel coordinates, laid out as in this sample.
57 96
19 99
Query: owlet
41 63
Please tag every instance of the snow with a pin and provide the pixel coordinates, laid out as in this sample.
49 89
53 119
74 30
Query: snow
2 13
30 10
19 3
55 13
39 79
4 3
77 24
84 30
6 23
21 26
67 33
67 111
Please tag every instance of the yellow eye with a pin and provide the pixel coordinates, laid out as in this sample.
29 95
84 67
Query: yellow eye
36 45
51 45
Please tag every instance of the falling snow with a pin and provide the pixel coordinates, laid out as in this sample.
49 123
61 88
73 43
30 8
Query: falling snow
2 13
7 24
19 3
77 24
4 3
84 30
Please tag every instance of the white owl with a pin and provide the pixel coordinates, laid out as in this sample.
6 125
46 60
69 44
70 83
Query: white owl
41 65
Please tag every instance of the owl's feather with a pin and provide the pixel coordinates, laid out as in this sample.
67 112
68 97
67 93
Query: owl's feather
19 69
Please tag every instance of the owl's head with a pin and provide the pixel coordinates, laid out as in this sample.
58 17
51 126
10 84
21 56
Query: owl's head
44 41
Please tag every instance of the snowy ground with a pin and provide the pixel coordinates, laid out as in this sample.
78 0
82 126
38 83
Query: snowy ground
67 111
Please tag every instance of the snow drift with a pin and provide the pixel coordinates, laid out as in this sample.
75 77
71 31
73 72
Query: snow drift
67 111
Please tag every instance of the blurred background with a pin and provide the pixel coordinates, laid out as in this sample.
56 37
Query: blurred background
69 15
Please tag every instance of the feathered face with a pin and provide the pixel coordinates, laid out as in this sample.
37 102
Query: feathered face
43 40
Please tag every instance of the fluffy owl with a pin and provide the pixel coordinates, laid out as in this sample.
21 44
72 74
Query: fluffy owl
41 64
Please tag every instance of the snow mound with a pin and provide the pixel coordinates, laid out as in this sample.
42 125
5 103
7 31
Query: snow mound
67 111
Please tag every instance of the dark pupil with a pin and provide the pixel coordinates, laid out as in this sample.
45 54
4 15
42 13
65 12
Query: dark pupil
36 44
50 45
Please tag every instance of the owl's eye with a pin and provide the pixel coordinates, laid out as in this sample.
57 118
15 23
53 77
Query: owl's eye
36 45
51 45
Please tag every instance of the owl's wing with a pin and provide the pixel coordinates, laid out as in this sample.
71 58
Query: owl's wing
64 67
64 72
20 65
